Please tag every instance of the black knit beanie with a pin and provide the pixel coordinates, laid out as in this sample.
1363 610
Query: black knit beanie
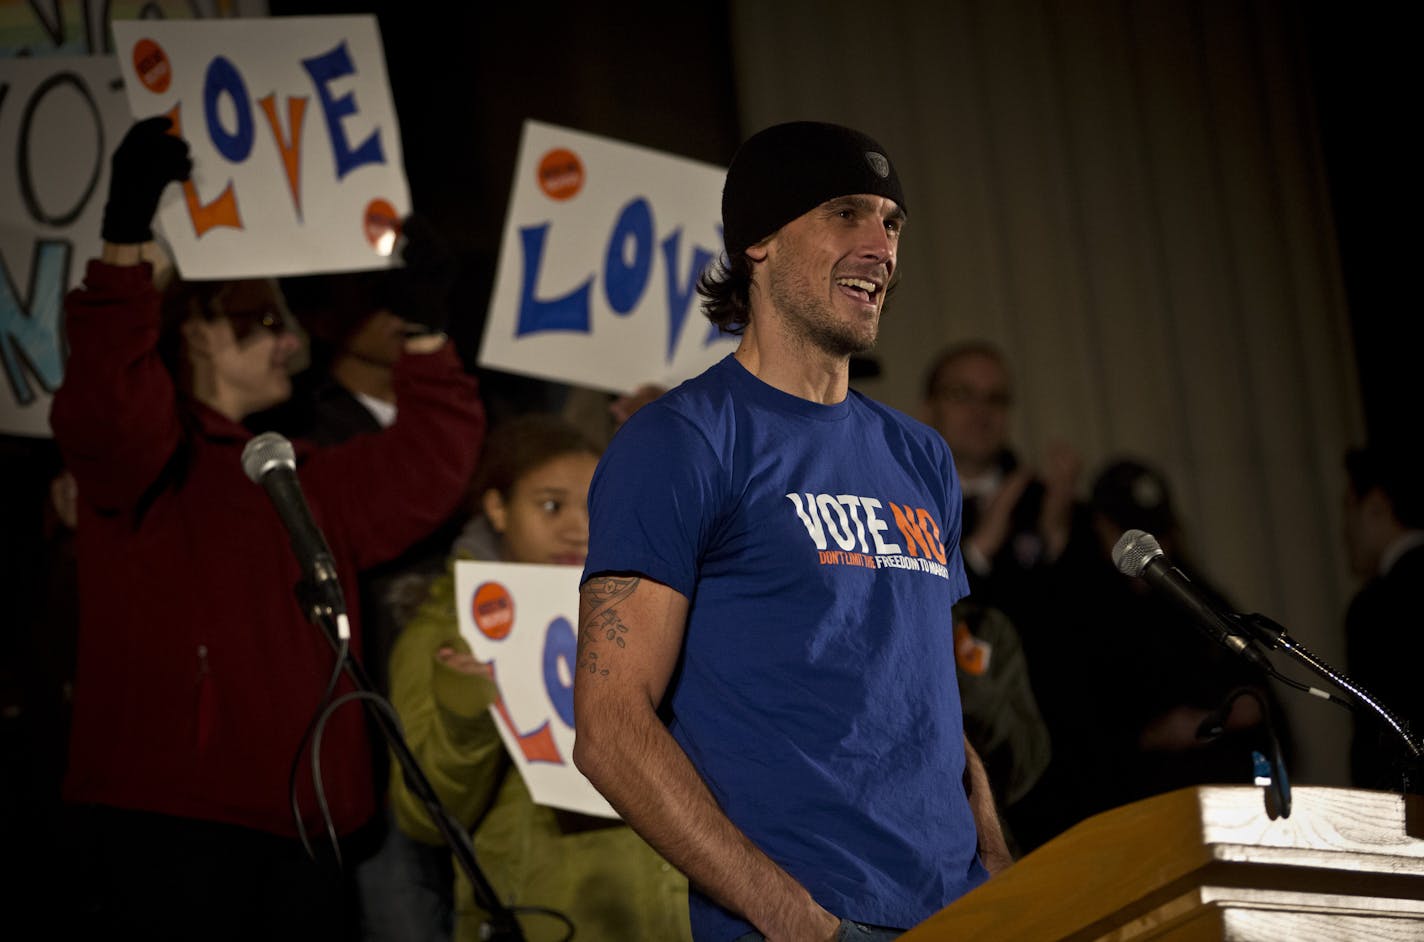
789 169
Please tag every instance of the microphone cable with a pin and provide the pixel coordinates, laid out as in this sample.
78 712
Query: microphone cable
323 706
385 707
1269 770
314 733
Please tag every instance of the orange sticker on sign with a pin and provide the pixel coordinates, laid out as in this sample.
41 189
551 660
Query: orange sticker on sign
382 226
493 610
560 174
152 66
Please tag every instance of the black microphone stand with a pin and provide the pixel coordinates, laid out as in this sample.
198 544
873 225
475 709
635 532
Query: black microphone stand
1275 637
501 925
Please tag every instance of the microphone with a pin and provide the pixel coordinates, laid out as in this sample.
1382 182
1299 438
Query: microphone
1137 553
270 461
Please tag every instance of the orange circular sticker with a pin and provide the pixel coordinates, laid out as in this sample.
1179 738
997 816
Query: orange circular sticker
493 609
382 226
971 654
560 174
151 64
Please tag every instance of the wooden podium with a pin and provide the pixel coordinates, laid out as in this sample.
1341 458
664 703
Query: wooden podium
1208 864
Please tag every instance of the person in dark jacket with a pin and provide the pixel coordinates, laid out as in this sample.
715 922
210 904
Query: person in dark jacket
1384 626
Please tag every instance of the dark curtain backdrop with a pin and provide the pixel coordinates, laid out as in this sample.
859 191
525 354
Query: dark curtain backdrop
1364 72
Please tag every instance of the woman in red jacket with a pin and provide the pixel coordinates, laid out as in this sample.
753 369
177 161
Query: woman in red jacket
198 672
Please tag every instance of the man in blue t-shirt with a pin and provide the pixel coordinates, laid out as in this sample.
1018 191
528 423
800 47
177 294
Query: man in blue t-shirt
766 683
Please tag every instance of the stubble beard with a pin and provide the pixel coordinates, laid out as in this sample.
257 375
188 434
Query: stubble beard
810 320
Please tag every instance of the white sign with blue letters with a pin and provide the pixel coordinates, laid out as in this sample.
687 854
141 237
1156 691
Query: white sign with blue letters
602 249
296 148
522 620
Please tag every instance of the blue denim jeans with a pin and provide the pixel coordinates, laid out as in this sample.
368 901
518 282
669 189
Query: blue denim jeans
407 891
848 932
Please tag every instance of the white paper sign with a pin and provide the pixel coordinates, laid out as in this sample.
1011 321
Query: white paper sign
597 277
522 619
295 143
60 119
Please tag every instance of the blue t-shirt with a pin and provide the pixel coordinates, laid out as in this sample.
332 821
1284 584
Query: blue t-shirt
816 691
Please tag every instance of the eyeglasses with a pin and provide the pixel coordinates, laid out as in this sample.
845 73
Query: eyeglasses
967 395
268 318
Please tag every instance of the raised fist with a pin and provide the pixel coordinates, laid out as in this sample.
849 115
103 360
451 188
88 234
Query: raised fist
146 160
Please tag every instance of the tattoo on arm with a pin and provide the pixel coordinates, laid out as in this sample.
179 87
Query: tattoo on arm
603 623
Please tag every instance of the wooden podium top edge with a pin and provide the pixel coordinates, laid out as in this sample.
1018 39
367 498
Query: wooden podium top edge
1114 862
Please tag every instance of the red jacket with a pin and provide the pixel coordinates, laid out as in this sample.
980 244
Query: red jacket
198 672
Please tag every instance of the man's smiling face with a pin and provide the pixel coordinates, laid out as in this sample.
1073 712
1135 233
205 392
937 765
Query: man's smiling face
827 271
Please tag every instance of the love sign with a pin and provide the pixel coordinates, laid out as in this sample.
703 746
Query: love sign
522 620
598 268
296 148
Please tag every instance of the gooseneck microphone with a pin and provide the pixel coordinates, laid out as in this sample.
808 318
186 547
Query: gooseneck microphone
270 461
1137 553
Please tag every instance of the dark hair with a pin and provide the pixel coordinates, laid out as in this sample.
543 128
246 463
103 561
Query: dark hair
332 307
180 301
1395 472
206 300
726 293
955 352
519 445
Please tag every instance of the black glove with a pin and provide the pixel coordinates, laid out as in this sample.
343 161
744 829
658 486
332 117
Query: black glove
422 287
146 161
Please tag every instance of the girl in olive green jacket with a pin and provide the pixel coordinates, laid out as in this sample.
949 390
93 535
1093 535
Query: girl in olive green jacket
531 492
